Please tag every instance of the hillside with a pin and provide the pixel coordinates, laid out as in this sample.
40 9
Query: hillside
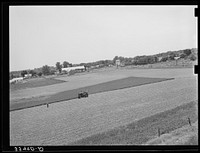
186 135
173 125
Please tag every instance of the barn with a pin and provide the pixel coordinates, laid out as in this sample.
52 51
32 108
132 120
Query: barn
68 69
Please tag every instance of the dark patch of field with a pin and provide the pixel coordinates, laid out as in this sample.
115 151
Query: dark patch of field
102 87
141 131
34 82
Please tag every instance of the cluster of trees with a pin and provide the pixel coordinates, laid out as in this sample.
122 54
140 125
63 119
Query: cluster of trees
125 60
44 70
101 63
32 72
186 54
142 60
167 56
65 64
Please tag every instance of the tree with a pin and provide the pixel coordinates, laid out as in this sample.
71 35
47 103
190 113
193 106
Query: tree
164 59
46 70
32 72
155 59
23 73
39 74
192 57
65 64
187 52
183 55
11 76
171 56
115 58
59 67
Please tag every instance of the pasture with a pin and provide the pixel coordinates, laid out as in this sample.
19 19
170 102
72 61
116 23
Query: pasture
69 121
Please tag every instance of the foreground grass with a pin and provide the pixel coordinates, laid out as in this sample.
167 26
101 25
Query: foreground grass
186 135
146 129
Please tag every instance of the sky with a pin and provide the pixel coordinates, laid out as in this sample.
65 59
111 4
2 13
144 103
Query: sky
44 35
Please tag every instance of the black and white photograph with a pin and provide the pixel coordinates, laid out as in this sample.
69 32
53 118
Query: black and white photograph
103 75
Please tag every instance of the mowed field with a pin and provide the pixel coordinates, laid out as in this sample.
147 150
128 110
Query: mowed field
92 78
68 121
34 82
97 88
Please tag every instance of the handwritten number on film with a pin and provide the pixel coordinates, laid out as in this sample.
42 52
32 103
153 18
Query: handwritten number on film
20 149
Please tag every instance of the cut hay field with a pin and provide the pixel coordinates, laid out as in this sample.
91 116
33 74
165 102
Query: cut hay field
70 83
68 121
72 94
74 82
34 82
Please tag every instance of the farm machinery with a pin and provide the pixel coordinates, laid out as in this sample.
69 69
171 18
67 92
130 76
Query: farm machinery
82 94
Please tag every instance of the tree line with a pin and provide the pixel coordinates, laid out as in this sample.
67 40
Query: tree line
190 54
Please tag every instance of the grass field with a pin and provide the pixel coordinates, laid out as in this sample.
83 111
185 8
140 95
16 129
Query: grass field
72 82
69 121
186 135
103 75
146 130
72 94
34 82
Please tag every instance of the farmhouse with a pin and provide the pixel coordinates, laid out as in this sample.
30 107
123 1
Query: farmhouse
78 68
27 75
15 80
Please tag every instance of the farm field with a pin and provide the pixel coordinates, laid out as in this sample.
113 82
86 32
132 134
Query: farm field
71 82
69 121
72 94
145 131
74 82
34 82
186 135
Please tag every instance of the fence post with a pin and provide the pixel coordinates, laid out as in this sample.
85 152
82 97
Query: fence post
158 132
189 121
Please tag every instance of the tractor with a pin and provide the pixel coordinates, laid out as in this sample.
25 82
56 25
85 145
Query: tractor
82 94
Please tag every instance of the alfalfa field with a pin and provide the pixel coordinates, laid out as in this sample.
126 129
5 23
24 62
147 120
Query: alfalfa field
70 120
